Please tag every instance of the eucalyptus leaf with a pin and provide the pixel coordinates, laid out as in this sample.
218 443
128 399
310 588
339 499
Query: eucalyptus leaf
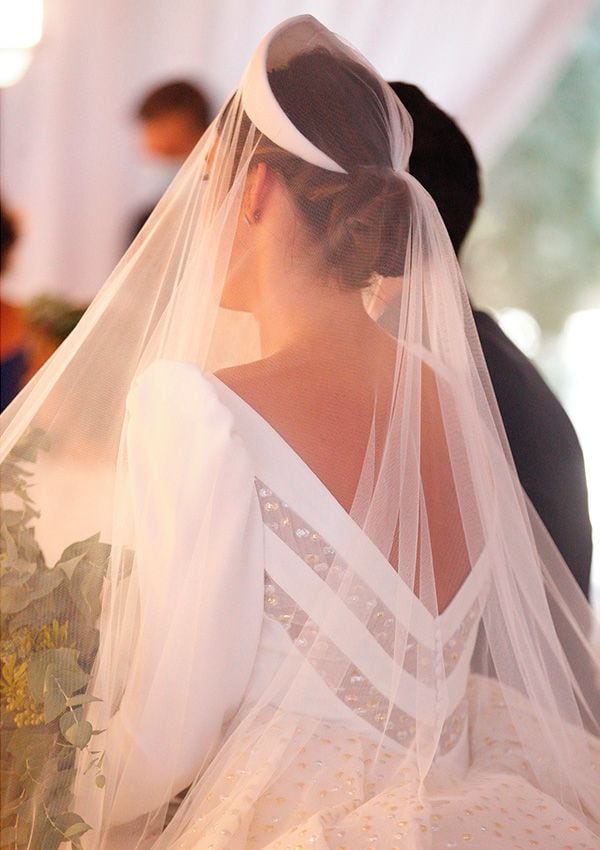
79 548
70 679
26 450
71 824
18 573
79 734
93 550
68 566
30 513
78 828
28 446
36 675
12 476
99 554
81 699
38 613
9 545
29 546
14 599
66 671
87 643
12 518
85 589
51 839
68 720
54 700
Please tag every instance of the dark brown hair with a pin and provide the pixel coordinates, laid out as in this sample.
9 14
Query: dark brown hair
443 161
355 217
177 96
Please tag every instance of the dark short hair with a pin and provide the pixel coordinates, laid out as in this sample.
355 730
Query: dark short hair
177 96
443 161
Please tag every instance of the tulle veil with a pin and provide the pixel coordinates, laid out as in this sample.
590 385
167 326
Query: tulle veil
436 494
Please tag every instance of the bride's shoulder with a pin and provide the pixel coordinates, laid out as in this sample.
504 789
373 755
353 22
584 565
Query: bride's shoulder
172 385
263 384
167 374
247 380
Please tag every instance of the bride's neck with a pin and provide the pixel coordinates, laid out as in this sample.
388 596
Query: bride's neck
297 309
305 314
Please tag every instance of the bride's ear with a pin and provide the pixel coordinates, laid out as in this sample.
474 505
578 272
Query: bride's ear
258 188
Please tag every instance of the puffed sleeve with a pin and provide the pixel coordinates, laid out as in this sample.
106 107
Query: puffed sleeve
199 563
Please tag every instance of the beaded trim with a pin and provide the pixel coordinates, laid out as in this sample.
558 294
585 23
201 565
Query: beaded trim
369 609
344 679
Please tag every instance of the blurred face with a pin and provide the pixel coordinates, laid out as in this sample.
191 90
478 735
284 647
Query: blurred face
171 136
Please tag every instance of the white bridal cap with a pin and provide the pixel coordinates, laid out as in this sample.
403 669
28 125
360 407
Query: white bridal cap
262 107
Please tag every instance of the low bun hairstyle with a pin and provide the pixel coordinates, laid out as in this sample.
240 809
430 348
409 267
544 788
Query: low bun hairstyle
355 220
365 236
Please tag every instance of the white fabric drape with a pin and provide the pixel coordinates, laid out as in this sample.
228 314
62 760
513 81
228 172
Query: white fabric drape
69 159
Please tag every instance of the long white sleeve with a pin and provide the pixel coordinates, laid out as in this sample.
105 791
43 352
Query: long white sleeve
200 564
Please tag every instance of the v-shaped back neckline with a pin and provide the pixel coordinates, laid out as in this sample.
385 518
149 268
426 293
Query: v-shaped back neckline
304 489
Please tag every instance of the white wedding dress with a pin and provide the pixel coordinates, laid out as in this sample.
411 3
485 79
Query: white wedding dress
243 533
267 670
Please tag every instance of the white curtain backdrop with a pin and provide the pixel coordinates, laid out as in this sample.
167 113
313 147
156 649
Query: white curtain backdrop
69 157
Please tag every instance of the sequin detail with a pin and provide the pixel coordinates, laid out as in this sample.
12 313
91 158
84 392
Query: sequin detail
321 557
347 681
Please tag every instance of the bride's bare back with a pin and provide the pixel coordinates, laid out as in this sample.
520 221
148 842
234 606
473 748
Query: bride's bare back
322 404
328 403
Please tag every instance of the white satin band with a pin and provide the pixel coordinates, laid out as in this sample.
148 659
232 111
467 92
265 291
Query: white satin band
263 109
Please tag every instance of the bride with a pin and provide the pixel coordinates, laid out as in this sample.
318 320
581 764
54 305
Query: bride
330 621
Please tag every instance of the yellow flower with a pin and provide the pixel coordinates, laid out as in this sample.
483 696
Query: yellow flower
54 636
15 696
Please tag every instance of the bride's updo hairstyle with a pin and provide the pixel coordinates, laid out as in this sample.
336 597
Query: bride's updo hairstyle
354 219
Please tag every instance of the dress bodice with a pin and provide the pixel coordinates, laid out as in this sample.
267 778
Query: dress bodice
325 581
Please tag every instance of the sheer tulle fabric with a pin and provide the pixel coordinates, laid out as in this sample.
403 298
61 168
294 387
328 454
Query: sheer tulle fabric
410 668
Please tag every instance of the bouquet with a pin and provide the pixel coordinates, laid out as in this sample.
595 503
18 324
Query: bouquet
48 642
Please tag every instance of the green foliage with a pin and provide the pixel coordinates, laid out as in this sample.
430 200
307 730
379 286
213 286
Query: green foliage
535 243
48 642
54 316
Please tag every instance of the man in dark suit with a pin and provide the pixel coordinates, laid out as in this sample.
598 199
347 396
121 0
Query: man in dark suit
544 445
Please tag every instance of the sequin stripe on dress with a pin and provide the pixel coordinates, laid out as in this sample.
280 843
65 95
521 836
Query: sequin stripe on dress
321 557
351 686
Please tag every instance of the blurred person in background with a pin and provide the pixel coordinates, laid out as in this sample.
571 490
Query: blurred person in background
171 118
14 354
543 442
29 333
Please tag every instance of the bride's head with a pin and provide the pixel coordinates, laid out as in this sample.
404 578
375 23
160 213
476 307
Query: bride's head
303 225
